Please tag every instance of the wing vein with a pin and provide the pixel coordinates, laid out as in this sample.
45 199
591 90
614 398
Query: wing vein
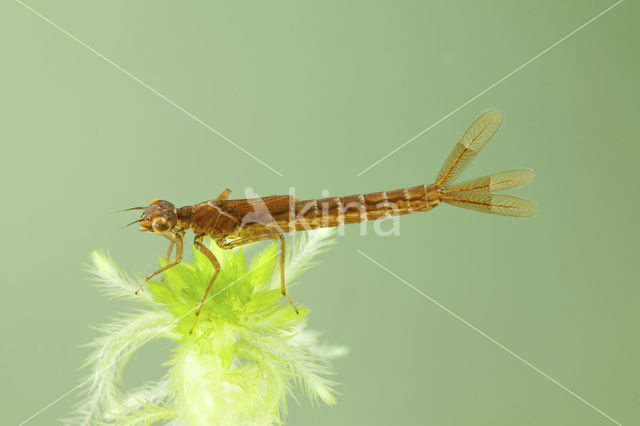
466 148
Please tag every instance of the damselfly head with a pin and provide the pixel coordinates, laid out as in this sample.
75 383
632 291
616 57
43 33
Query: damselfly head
159 216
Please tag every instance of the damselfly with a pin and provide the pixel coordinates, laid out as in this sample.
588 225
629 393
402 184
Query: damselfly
232 223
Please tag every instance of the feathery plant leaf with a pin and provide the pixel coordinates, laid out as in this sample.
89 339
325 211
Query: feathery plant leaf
247 354
112 280
120 340
153 392
145 416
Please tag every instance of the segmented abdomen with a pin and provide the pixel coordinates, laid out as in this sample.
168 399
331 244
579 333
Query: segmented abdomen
334 211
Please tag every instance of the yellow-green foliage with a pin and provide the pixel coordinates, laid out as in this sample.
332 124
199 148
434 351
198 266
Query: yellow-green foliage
248 352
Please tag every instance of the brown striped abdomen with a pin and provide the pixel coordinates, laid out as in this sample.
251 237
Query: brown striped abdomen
334 211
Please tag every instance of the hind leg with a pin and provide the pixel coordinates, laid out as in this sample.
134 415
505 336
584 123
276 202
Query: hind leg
242 241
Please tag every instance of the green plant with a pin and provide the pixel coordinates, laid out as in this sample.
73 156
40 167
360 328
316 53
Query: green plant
247 354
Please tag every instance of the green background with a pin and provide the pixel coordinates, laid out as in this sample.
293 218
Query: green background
319 91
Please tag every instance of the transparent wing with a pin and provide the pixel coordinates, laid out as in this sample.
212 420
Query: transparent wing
472 141
487 202
493 183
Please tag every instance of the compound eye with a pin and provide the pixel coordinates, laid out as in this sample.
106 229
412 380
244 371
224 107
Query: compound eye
160 224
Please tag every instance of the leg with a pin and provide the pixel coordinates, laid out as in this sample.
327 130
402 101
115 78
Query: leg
170 250
178 241
224 195
282 288
173 243
242 241
204 250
